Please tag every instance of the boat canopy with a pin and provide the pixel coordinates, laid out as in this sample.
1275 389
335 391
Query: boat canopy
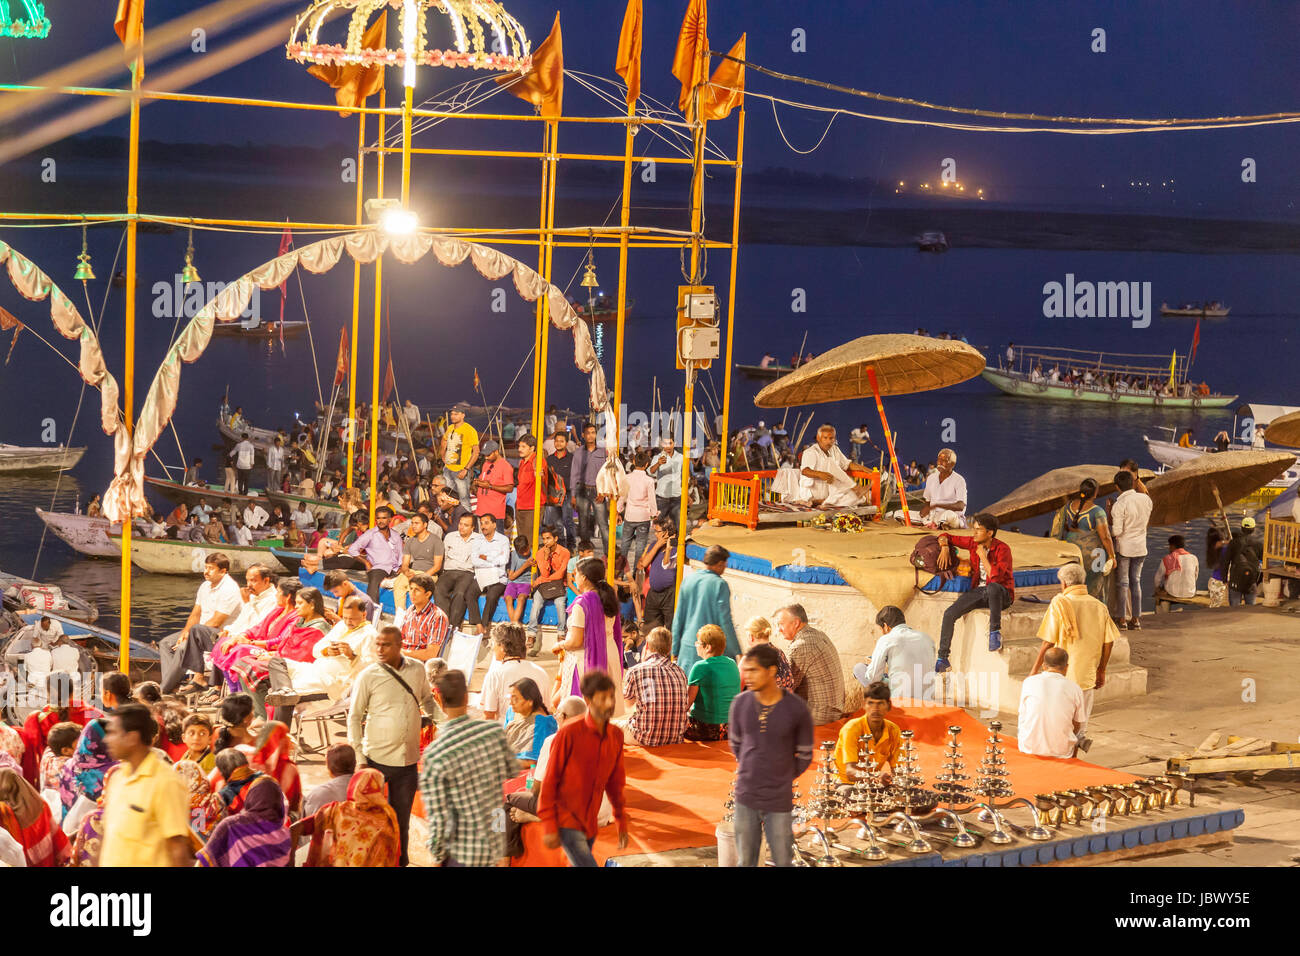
1263 414
1122 363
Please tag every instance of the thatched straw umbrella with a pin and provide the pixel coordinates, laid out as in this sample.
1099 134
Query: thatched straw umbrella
876 365
1285 430
1202 485
1050 490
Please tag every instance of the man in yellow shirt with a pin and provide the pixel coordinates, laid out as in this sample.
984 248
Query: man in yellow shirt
146 806
886 739
1081 624
459 451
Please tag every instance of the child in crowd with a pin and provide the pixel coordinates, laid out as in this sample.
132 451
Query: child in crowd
519 584
197 734
60 745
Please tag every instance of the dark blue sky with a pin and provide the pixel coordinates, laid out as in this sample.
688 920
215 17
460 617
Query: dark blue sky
1162 59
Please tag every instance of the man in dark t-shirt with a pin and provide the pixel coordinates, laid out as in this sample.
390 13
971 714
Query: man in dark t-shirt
771 734
561 515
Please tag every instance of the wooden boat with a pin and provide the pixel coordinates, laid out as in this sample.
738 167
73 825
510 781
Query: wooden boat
84 534
66 603
15 459
104 646
261 438
1027 377
331 511
758 371
191 495
1211 311
263 330
170 556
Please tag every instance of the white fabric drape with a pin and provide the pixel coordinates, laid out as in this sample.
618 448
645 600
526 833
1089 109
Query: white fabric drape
35 285
126 494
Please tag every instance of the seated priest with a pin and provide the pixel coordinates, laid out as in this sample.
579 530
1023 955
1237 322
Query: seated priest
827 476
886 738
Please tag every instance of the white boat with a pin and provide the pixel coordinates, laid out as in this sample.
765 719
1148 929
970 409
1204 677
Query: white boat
15 459
932 242
84 534
170 556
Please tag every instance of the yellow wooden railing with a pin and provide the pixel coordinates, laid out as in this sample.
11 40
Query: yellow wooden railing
736 497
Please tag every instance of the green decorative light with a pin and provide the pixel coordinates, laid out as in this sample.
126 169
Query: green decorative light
35 27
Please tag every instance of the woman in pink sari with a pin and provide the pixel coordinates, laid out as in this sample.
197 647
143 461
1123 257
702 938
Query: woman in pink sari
266 635
595 633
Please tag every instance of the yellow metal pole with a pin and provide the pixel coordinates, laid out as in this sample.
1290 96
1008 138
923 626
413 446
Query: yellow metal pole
688 412
539 410
731 293
128 365
374 365
622 314
544 354
356 302
406 146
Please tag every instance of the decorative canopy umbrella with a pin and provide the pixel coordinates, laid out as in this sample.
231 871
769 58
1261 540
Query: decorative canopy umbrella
506 51
1205 484
903 364
894 364
1285 430
1050 490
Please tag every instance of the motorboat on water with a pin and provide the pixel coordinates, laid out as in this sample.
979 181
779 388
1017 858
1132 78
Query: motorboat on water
1171 454
932 242
174 556
17 459
1210 310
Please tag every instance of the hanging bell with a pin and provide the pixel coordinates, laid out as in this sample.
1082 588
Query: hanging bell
189 273
84 273
589 277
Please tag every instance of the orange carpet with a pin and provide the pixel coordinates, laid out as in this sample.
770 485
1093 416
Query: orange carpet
675 794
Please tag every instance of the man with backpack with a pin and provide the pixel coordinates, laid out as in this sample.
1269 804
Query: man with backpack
992 582
1244 564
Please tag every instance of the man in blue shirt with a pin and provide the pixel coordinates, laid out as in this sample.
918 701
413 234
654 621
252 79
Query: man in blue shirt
593 510
903 656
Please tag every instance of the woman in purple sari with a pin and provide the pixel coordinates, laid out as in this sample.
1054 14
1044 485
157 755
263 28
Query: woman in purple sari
256 835
595 633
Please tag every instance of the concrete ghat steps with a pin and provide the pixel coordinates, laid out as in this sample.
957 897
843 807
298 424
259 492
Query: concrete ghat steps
992 680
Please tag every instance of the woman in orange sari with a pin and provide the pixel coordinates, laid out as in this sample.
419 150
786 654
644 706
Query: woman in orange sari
271 757
28 820
361 831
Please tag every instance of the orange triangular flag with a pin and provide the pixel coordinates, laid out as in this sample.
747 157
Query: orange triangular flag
628 63
353 83
718 99
126 24
690 62
543 85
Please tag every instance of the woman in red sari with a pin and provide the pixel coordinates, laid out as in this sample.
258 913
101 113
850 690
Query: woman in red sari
37 727
271 757
265 636
296 643
28 820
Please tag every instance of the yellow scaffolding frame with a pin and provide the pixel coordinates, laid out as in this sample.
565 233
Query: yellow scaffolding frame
547 238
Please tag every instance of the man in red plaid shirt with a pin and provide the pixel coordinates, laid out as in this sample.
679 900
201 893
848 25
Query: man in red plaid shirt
424 625
657 688
992 583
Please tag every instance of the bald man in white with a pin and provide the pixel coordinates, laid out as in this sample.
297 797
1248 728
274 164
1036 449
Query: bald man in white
826 475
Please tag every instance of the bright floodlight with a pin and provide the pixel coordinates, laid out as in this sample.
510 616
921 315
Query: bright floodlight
399 222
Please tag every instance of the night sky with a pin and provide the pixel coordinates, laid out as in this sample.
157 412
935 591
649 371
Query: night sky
1162 59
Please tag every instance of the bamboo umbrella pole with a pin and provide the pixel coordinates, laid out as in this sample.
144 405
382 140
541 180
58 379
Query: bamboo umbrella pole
889 441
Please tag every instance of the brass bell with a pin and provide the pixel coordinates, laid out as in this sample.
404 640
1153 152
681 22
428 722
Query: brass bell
84 273
189 273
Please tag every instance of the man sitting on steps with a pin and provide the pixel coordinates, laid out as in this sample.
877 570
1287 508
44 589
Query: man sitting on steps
992 583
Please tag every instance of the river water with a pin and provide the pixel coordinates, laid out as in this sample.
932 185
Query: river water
444 328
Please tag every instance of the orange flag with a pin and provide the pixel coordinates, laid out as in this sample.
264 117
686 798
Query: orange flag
353 83
341 367
628 64
690 62
125 24
543 85
717 100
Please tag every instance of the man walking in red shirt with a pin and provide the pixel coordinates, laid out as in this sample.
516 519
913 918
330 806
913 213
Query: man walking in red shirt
992 582
586 761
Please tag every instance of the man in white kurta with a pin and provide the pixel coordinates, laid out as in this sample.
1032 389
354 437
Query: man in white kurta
336 657
945 494
827 475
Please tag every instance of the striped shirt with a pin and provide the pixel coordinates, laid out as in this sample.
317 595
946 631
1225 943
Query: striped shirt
421 629
657 687
818 674
461 783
